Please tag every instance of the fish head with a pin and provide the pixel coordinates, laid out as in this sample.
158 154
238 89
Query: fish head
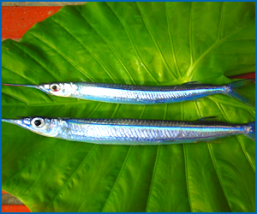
39 125
58 89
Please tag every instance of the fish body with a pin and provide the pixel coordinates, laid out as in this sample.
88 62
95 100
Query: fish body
132 94
132 132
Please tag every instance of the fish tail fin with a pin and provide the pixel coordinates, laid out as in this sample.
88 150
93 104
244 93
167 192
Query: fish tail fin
231 92
251 133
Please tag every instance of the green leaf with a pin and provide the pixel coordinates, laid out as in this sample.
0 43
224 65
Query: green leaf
131 43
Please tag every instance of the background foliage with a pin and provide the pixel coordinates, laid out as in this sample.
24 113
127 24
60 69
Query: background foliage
131 43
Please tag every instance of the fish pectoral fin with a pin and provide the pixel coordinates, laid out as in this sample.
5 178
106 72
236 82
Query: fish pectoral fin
191 83
206 118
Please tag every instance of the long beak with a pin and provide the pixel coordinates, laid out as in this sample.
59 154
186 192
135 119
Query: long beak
18 85
13 121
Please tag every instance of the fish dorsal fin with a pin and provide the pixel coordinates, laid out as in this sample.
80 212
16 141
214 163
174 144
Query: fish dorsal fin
212 120
206 118
191 83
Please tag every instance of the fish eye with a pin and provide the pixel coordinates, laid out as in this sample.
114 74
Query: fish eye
55 87
38 122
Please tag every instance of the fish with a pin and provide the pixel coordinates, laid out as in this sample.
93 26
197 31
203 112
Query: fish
132 131
133 94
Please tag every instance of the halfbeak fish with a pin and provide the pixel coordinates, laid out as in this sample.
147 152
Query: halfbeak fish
132 132
132 94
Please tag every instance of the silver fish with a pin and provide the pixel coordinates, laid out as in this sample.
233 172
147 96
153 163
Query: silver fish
132 132
132 94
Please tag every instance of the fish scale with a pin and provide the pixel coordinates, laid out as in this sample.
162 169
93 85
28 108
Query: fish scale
148 130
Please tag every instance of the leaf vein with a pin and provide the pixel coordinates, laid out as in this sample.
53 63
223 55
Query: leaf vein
155 42
65 58
94 57
190 36
171 41
34 59
120 172
220 23
21 100
110 46
216 44
32 162
24 77
73 174
133 45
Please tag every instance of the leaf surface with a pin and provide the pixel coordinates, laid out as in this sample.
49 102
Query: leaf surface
131 43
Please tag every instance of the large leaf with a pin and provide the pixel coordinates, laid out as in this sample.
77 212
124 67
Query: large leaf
131 43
